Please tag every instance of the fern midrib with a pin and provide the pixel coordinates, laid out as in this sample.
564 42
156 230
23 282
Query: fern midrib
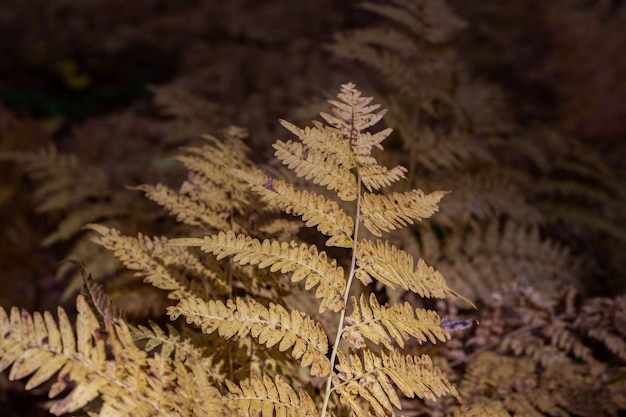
340 329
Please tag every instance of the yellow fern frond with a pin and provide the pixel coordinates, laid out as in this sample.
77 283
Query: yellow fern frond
317 167
151 258
280 229
325 140
385 324
385 213
371 379
171 342
392 266
232 151
352 113
181 349
129 383
187 210
305 262
37 344
351 116
207 181
63 181
209 197
198 392
483 197
565 339
328 153
375 177
271 326
324 214
74 222
266 397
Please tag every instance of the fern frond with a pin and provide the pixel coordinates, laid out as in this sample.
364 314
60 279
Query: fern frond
603 319
371 378
280 229
318 168
356 45
187 210
37 344
613 342
173 345
431 20
352 114
97 298
305 262
375 177
171 342
266 397
151 257
558 388
324 140
524 343
385 213
328 153
56 174
208 198
482 408
197 392
271 326
485 257
562 336
99 261
324 214
74 222
209 184
392 266
385 324
482 197
129 383
232 151
62 181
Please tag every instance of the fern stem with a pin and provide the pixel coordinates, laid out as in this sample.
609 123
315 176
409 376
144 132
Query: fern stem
333 356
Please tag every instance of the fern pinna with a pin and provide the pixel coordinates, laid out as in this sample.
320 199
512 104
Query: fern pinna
364 366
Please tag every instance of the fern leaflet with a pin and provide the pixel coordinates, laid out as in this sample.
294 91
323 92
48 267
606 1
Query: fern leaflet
271 326
129 383
384 324
304 261
371 378
264 397
386 213
392 266
325 214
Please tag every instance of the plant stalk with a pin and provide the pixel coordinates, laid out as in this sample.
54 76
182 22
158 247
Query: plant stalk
333 356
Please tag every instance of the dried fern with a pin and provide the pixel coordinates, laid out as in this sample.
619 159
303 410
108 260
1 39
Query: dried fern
90 363
337 156
540 358
233 286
